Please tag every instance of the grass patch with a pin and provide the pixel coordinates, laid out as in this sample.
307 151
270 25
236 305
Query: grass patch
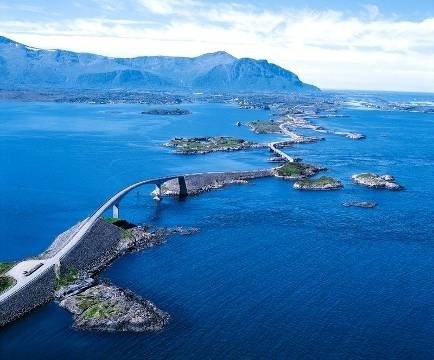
68 278
5 283
97 309
126 234
367 176
292 169
86 302
121 223
5 267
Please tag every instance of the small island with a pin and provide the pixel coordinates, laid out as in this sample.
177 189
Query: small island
98 305
106 307
350 135
296 170
360 204
176 111
376 181
323 183
265 127
203 145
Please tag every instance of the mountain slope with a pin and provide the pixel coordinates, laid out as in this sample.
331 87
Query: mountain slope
25 67
245 74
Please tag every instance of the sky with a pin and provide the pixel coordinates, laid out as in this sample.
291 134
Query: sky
334 44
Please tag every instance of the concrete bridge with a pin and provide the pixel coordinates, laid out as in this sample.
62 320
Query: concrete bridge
24 273
36 277
280 153
17 272
114 201
294 138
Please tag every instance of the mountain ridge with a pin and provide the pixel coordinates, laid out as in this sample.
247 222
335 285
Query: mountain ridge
25 66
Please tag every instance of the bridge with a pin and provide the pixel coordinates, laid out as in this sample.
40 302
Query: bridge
35 277
24 272
279 152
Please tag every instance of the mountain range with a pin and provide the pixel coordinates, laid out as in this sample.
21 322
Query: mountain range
22 66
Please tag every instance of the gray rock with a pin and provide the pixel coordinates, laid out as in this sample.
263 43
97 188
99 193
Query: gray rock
82 282
361 204
323 183
376 181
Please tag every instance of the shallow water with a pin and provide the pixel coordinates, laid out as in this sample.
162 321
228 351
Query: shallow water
274 273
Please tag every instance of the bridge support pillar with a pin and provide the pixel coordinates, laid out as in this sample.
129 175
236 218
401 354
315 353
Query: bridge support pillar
157 192
183 192
115 211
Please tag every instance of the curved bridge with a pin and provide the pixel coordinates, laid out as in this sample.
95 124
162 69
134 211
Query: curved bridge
282 154
27 271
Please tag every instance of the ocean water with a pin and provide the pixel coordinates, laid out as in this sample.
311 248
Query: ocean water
273 273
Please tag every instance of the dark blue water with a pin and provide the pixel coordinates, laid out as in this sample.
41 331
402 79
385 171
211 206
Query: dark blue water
274 273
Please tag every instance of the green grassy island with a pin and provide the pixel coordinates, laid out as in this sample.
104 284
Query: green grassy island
297 170
203 145
265 127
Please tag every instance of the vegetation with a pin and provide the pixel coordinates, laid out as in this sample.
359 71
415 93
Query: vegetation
121 223
208 144
265 127
322 181
367 176
6 282
126 234
94 308
293 169
68 278
5 267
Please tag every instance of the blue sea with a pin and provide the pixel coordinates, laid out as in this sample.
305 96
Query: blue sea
272 274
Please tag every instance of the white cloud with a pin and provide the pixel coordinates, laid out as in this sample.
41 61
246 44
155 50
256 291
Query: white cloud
169 7
326 48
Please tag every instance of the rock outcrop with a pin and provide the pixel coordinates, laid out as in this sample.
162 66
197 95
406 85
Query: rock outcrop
360 204
376 181
323 183
106 307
